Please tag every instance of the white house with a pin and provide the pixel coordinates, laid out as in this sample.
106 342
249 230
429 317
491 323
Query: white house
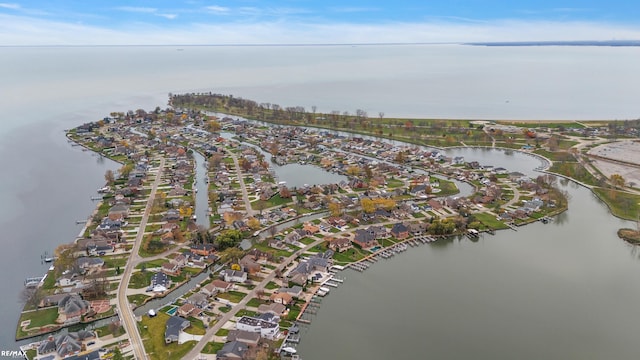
267 325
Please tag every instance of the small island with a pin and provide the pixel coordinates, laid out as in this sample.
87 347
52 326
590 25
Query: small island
632 236
254 268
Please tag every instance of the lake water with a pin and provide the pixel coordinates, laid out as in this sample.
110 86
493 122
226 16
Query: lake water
563 290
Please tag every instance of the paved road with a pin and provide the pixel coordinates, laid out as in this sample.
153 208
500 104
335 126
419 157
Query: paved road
243 188
195 352
126 314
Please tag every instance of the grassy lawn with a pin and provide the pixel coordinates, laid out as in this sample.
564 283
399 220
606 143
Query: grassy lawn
104 331
255 302
233 296
212 347
271 286
151 264
555 155
574 170
264 247
620 203
275 200
152 334
196 328
140 279
38 318
490 221
245 312
113 262
349 255
137 299
148 253
307 240
447 188
394 183
49 281
222 332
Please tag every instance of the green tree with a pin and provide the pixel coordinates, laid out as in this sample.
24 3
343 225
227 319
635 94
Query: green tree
228 238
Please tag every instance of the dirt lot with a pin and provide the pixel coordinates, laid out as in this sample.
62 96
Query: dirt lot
627 151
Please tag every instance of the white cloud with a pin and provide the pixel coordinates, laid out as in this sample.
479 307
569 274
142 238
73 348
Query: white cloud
221 10
21 30
136 9
11 6
167 16
352 9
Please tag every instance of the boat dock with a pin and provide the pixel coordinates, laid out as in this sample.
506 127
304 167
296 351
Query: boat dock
34 281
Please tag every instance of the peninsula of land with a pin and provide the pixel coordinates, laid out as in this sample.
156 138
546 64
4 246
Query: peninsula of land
254 272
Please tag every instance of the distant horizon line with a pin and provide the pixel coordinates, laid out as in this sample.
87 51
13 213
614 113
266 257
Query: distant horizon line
615 43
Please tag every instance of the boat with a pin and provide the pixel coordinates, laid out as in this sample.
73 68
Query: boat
49 259
289 350
103 190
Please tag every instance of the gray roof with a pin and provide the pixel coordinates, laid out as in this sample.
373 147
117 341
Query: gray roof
243 336
174 325
234 348
72 303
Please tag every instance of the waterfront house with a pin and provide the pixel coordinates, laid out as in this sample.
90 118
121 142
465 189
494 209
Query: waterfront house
89 264
172 215
188 310
66 344
281 298
233 350
110 225
267 326
399 231
119 211
52 300
198 300
295 291
341 244
365 239
174 325
234 275
274 308
70 278
305 270
71 308
160 282
247 337
417 228
310 228
292 237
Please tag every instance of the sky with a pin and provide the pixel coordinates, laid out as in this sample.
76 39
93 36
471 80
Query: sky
195 22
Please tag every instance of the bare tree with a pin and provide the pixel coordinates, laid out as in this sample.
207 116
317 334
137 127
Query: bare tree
31 296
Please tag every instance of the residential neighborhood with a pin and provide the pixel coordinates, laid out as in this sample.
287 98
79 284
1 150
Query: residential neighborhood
242 279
